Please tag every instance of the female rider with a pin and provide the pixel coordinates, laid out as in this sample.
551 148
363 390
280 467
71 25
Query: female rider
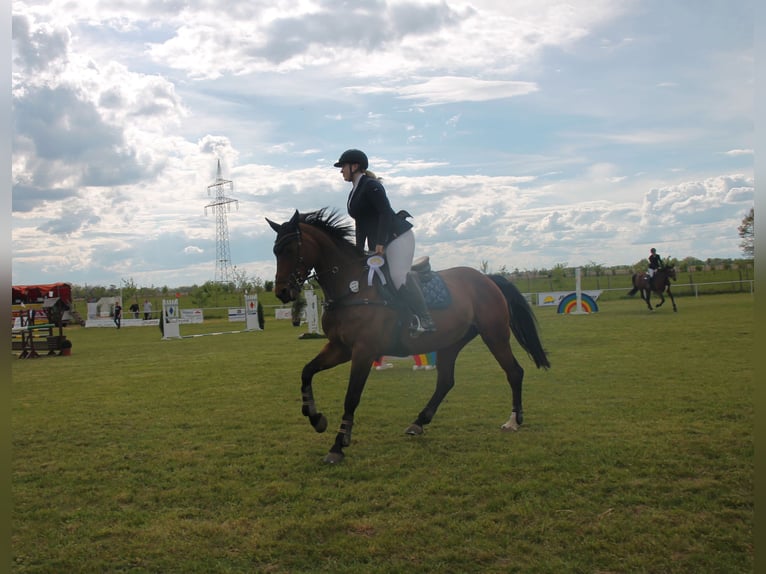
384 231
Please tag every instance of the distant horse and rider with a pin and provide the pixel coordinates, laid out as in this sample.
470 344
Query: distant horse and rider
655 280
364 318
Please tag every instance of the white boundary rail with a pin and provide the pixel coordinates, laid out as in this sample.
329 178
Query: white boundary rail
679 289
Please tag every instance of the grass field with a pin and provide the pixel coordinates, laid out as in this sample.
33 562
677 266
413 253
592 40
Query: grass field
636 454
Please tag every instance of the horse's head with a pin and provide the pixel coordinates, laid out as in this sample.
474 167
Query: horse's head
292 270
316 238
671 271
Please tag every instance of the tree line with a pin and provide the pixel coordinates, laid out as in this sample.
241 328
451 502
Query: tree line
210 292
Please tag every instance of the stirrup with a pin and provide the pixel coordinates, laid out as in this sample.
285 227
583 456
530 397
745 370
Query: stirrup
417 326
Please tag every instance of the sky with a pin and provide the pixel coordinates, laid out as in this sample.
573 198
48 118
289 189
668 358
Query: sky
519 134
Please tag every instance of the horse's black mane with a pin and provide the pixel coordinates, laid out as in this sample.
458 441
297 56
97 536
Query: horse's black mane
330 222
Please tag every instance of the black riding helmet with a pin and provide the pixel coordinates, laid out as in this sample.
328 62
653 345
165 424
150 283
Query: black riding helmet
353 156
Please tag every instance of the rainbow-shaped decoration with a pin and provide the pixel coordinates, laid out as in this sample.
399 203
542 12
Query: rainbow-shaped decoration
568 303
424 362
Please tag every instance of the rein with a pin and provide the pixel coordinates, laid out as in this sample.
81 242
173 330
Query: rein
297 279
299 275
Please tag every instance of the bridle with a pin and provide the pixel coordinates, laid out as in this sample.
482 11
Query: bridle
297 277
669 270
301 273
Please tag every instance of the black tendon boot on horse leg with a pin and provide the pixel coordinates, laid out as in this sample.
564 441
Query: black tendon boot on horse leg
413 296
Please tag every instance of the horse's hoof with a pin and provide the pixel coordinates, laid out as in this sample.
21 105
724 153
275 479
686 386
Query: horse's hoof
414 430
510 425
333 457
320 425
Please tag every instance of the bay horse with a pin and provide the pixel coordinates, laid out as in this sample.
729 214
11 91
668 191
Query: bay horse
362 323
659 285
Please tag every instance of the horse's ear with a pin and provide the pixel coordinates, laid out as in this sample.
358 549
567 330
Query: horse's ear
273 225
294 220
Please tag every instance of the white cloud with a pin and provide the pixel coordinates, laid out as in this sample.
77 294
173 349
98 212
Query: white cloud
121 110
450 89
698 201
650 137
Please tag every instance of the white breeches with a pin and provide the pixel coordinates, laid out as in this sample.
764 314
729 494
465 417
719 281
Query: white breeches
399 254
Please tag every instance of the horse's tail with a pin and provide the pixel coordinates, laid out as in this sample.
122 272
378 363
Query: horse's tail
635 289
523 322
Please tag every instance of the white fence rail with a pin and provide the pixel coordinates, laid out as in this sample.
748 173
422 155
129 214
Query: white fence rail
679 289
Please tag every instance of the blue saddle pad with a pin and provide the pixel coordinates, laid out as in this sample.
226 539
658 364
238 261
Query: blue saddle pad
435 291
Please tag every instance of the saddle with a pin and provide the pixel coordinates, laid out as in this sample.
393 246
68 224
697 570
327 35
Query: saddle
422 265
435 291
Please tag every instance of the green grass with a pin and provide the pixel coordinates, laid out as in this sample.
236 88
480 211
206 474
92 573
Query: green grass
636 454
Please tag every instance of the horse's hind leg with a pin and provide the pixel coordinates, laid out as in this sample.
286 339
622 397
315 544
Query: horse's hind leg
445 380
514 373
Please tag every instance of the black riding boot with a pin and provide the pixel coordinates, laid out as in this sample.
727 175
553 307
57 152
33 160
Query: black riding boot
413 296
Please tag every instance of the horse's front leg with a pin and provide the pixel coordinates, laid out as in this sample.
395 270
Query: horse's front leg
648 299
330 356
360 370
672 300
